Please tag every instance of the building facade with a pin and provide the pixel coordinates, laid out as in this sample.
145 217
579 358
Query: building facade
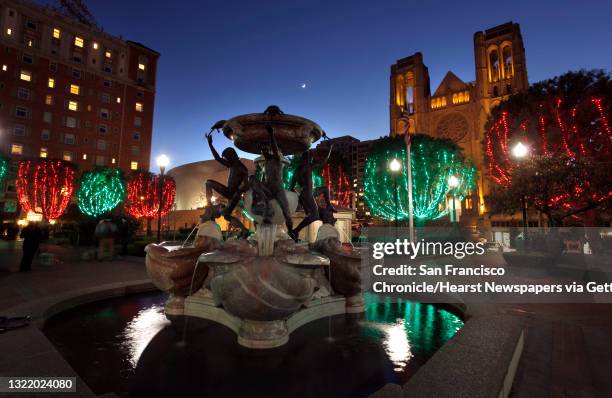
71 91
458 110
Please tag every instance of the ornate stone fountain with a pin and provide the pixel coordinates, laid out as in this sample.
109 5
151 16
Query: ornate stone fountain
264 287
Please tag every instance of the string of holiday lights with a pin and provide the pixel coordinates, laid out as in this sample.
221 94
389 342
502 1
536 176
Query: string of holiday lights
576 131
100 191
338 184
4 166
44 186
143 198
434 161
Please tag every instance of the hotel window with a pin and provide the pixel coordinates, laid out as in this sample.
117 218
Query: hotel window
72 122
25 75
4 67
47 117
104 113
57 34
108 54
134 165
113 160
67 156
107 83
100 161
9 31
101 145
137 121
135 150
76 73
84 156
23 93
43 152
51 83
19 130
136 136
73 105
141 66
108 69
31 25
45 135
139 107
69 139
102 128
49 99
27 58
53 66
105 98
74 89
95 46
22 112
118 100
78 41
16 149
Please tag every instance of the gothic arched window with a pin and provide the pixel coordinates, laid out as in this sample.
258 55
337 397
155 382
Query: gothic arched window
508 64
494 70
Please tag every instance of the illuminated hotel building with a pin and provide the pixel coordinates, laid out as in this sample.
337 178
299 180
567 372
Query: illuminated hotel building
71 91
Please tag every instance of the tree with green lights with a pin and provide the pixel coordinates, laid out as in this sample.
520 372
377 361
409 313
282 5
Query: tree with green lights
4 166
100 191
434 161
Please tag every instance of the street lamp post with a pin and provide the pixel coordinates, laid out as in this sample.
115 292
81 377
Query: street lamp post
395 166
162 162
519 151
453 183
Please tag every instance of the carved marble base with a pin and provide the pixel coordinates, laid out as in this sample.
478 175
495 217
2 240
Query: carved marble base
265 334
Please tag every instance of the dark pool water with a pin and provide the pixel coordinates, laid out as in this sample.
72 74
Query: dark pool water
127 346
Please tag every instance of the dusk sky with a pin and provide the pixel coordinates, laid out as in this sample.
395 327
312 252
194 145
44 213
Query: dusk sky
224 58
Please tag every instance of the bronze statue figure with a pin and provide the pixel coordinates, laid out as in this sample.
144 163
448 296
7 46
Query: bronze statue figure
237 181
303 176
273 182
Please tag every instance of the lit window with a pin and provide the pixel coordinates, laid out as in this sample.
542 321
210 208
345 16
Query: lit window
43 152
95 46
134 166
108 54
9 31
118 100
78 41
30 43
67 156
56 33
4 68
51 83
84 156
113 161
74 89
73 105
25 75
141 66
139 107
16 149
49 100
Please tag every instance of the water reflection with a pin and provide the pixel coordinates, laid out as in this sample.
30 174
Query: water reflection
140 330
396 343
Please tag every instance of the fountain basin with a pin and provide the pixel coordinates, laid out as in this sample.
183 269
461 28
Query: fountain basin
294 134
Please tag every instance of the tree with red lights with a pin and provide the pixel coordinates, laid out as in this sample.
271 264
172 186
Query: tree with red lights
564 122
143 190
44 186
336 178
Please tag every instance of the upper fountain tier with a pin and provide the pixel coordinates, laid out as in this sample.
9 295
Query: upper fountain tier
294 134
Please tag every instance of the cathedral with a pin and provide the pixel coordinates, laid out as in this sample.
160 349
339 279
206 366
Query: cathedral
458 110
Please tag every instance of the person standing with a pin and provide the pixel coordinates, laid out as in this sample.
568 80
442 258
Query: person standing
32 236
105 233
